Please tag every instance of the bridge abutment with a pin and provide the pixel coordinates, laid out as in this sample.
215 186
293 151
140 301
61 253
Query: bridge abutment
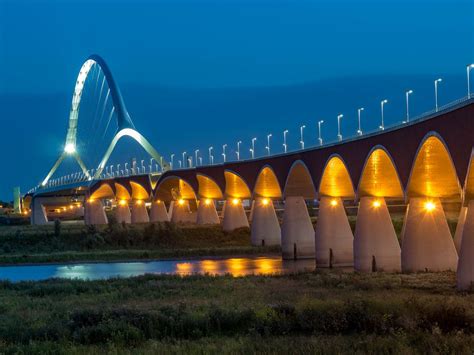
94 213
376 247
265 229
38 213
139 213
427 242
234 215
158 212
333 235
122 212
465 271
207 213
297 232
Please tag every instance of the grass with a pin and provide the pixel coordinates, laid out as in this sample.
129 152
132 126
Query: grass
322 311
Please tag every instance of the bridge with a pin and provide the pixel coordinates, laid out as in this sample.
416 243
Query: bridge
424 163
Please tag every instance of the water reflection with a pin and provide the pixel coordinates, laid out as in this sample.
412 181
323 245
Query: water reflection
93 271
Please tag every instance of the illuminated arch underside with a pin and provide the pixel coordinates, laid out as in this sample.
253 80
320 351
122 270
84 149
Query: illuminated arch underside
139 192
336 181
121 192
267 184
379 177
469 187
433 173
174 188
299 182
104 191
235 186
208 188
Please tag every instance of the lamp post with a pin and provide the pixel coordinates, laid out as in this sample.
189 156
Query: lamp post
320 138
301 134
143 166
339 135
238 149
223 152
268 143
253 147
407 95
285 146
436 82
184 159
196 152
382 104
211 158
359 110
172 161
468 70
180 164
252 153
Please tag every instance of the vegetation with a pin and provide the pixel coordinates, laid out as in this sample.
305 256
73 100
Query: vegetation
330 312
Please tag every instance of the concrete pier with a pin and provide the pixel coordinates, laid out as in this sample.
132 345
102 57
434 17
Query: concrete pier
459 229
94 213
465 272
158 212
234 215
207 213
334 240
38 213
181 213
427 242
265 229
139 212
376 246
297 232
122 212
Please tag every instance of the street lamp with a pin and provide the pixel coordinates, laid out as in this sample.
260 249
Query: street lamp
320 138
468 69
180 164
253 147
268 143
382 104
223 152
285 146
436 82
252 153
407 95
301 134
211 158
184 159
359 131
238 149
172 161
339 135
196 152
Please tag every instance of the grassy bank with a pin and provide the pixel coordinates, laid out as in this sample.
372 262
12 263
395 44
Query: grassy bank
328 312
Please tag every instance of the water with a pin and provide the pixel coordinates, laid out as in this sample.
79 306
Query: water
94 271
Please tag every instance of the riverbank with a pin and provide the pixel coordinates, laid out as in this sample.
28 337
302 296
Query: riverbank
323 311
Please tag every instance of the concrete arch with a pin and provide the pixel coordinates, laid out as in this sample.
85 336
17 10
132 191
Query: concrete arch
173 188
138 191
336 180
379 176
208 188
121 192
235 185
267 184
103 191
299 182
433 173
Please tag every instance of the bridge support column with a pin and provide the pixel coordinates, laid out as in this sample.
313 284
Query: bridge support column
334 240
265 228
252 211
95 213
459 229
234 216
38 213
376 247
139 213
122 212
297 232
427 242
158 212
465 273
207 213
181 213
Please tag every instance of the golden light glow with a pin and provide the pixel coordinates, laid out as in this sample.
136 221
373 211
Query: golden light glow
122 202
336 181
235 201
429 206
138 191
235 186
181 202
299 182
139 202
71 207
91 200
207 201
379 177
333 202
265 201
208 188
173 188
121 192
376 204
267 184
433 173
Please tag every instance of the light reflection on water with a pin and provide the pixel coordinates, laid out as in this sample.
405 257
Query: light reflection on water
94 271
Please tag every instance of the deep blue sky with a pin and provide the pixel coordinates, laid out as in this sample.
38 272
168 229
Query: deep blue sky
199 73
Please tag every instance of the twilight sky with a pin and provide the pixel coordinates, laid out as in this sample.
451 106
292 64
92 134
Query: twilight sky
196 73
